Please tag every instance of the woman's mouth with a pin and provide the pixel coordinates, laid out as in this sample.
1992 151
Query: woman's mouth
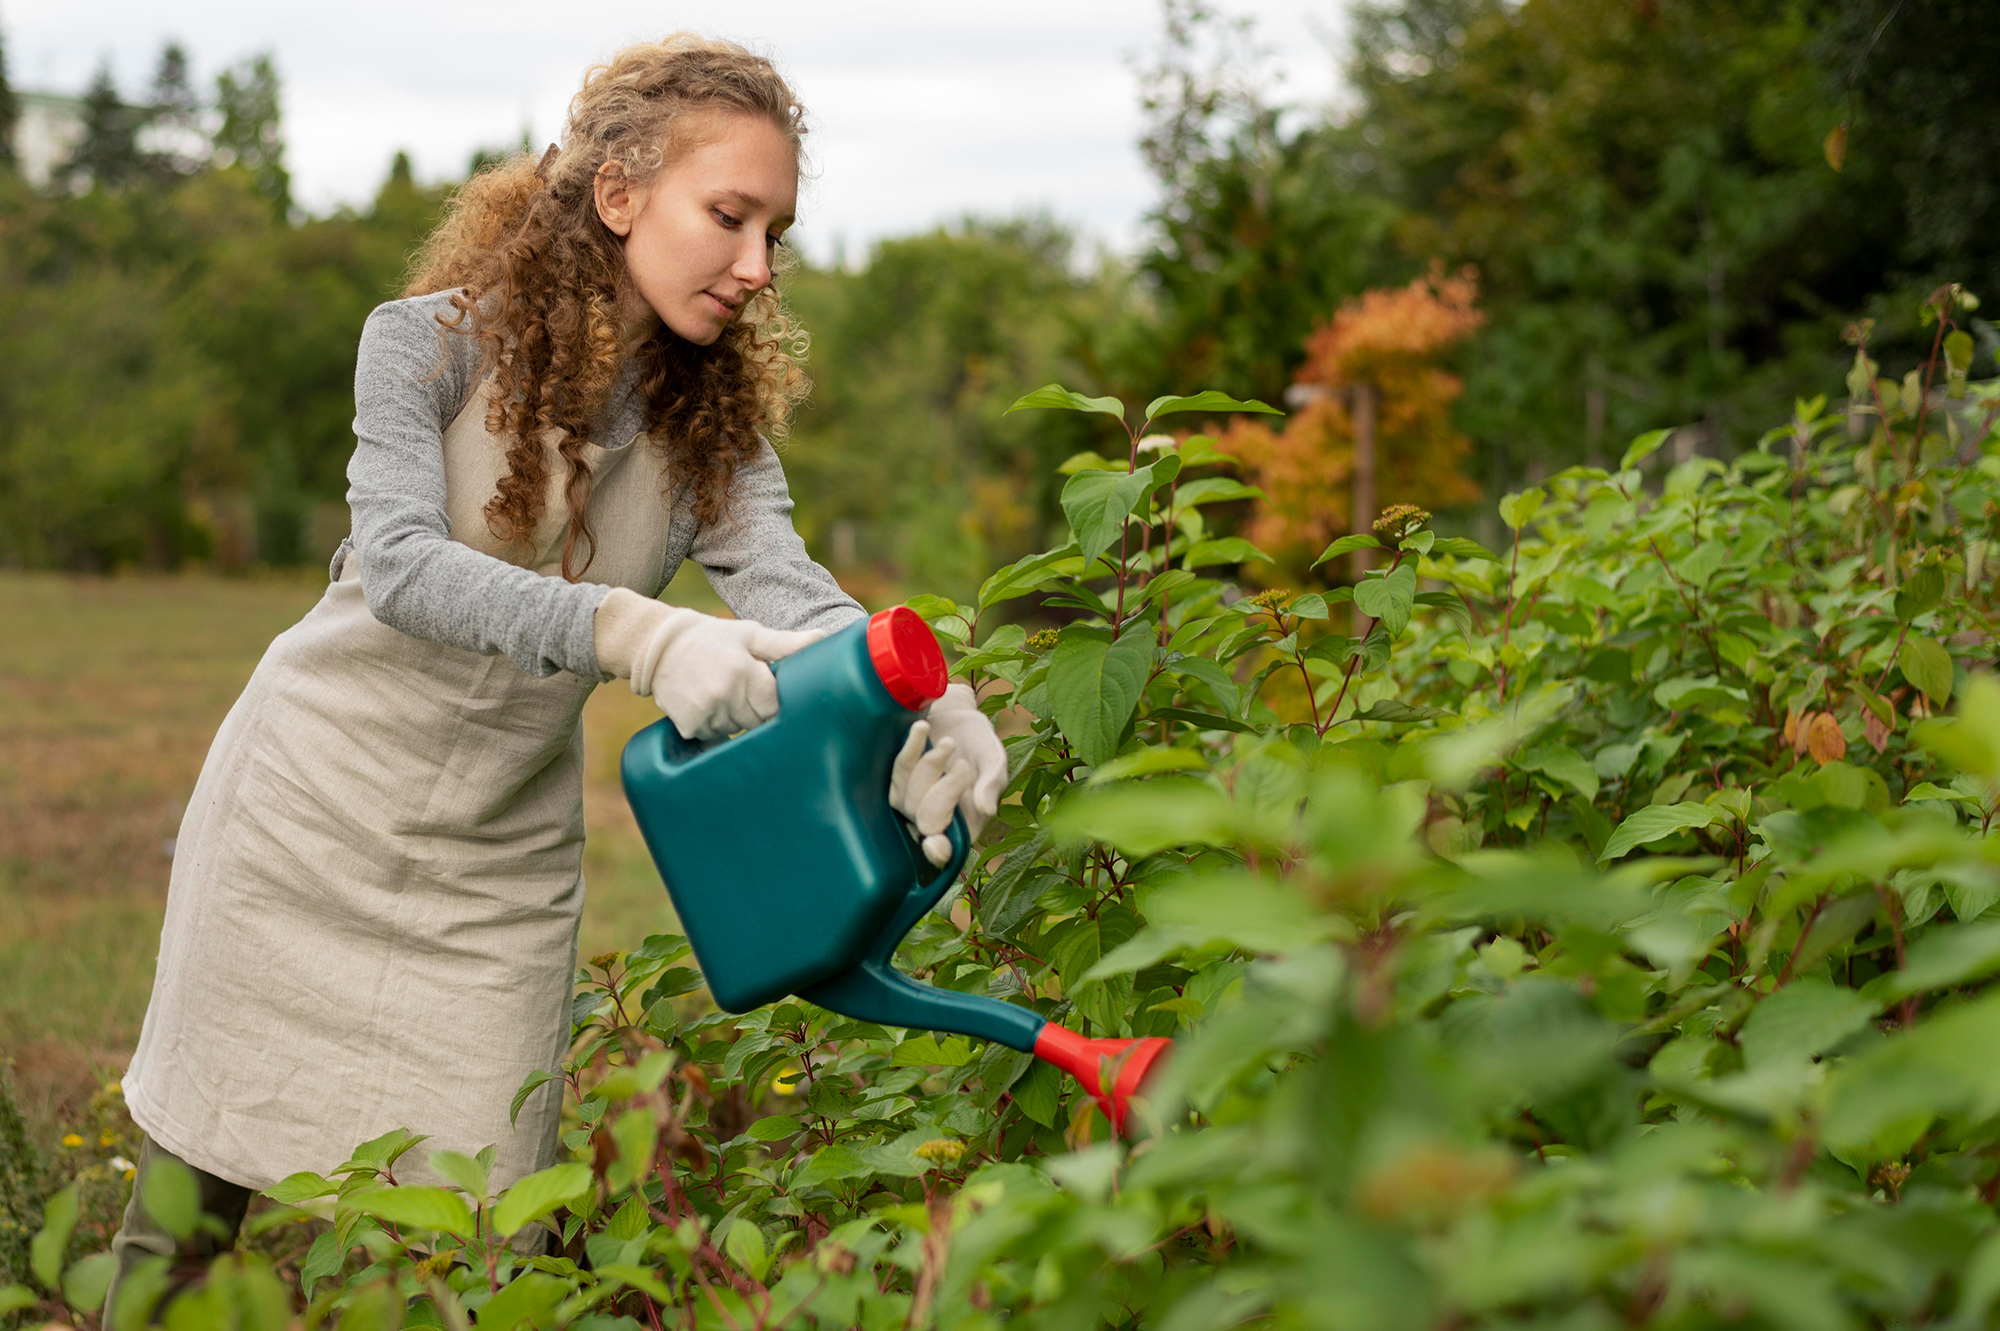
721 306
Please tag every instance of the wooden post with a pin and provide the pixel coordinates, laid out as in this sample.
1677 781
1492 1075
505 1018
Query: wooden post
1361 490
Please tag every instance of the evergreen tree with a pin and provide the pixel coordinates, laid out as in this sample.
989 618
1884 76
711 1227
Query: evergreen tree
174 143
107 156
250 135
10 110
1916 79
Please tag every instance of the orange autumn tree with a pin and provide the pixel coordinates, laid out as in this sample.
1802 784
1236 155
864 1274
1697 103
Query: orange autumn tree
1378 355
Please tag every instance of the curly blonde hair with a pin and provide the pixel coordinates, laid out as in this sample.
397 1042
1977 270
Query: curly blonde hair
539 280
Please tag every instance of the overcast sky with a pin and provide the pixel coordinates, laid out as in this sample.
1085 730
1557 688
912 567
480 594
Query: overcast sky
921 112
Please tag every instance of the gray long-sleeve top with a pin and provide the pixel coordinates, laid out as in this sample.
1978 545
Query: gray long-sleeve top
407 390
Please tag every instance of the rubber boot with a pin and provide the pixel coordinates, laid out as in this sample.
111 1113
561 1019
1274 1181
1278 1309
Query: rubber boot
140 1237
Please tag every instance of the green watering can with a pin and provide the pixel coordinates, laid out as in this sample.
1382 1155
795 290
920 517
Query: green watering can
792 875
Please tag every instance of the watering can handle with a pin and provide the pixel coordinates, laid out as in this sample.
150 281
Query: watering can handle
925 895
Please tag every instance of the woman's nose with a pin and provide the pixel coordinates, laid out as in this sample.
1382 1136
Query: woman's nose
753 266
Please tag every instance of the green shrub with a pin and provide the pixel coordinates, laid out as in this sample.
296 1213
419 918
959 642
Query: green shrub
23 1183
1591 933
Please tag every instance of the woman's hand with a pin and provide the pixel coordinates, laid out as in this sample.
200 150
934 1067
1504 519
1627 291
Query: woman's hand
965 769
710 676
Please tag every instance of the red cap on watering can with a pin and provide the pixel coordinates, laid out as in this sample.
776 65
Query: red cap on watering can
907 657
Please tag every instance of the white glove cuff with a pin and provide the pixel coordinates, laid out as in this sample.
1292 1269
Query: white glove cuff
632 632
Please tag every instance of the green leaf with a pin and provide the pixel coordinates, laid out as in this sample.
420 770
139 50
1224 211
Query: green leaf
539 1194
1643 447
1213 490
85 1284
1945 956
1347 545
528 1300
13 1298
1038 1093
172 1196
775 1128
1803 1020
1920 593
1091 460
1679 695
1927 665
1208 400
1225 550
529 1085
1565 765
639 1278
1140 820
1926 790
1094 688
1658 821
45 1253
830 1165
744 1245
1389 598
1398 713
1149 762
461 1171
323 1259
416 1208
380 1153
300 1187
1097 503
1023 576
1518 510
928 1051
1057 398
1200 720
1462 548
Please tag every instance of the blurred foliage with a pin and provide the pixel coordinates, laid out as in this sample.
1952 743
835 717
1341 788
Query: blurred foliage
901 459
1670 209
1644 188
176 348
23 1184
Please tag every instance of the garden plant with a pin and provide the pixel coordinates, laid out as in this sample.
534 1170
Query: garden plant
1595 931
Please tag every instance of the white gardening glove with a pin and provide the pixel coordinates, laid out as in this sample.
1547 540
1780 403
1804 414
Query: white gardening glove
710 676
965 769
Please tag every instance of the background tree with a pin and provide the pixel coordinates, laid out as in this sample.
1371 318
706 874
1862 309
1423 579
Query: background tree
1924 128
172 140
1258 232
902 458
249 135
10 110
1374 426
107 155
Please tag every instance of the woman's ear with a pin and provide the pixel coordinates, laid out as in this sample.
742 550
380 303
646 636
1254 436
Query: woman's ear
617 203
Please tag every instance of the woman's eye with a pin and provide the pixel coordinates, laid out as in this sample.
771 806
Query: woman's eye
772 242
727 220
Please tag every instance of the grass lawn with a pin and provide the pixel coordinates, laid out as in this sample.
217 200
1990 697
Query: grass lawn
110 690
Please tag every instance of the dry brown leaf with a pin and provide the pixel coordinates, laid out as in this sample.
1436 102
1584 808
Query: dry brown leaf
1875 730
1823 738
1795 735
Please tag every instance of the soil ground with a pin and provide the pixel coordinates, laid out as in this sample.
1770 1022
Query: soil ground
110 690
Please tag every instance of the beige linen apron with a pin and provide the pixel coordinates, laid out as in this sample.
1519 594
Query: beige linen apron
371 922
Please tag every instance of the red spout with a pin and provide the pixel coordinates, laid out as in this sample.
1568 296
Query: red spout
1129 1063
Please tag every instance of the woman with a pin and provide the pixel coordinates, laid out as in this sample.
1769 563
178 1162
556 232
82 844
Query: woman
372 917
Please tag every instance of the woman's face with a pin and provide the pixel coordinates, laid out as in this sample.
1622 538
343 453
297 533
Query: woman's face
699 238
